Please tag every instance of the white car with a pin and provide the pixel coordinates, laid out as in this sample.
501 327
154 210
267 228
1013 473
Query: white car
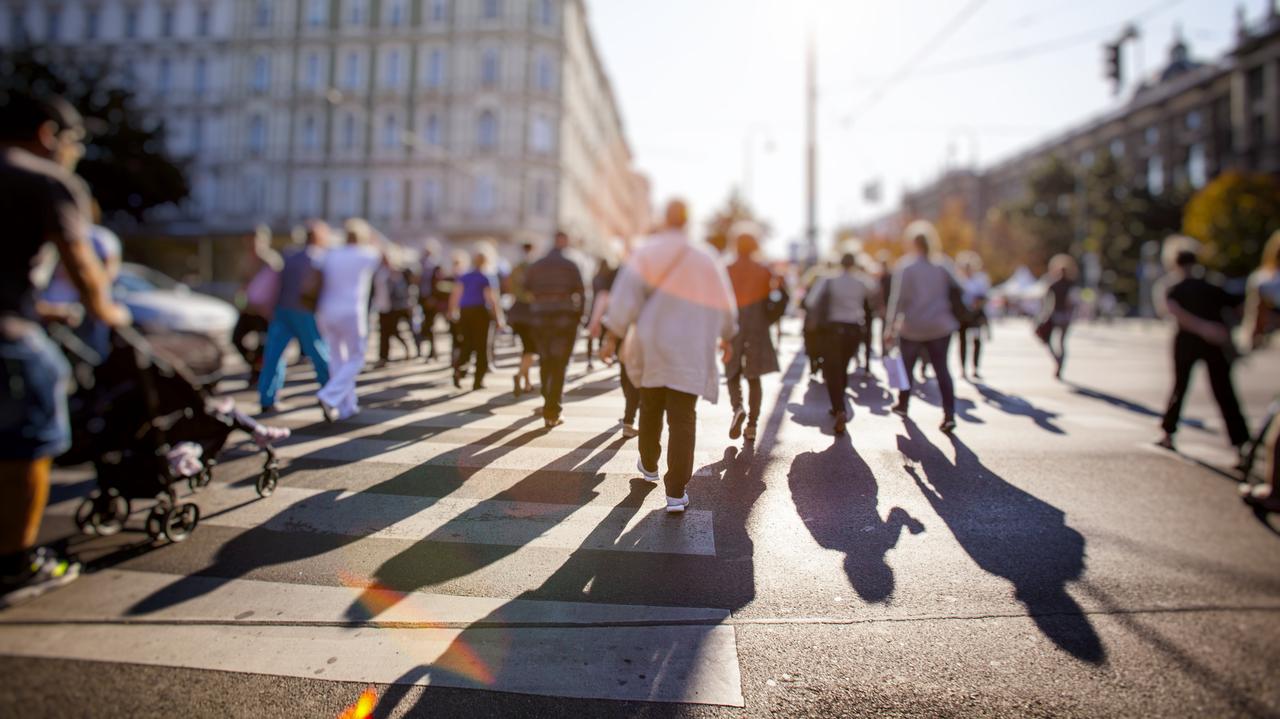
160 303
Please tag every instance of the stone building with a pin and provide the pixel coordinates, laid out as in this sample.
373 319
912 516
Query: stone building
449 118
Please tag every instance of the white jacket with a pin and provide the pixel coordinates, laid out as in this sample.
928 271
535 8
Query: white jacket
676 325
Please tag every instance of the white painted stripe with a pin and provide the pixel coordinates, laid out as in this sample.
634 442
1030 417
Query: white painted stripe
686 664
450 519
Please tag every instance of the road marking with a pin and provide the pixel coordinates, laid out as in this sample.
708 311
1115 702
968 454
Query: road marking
558 649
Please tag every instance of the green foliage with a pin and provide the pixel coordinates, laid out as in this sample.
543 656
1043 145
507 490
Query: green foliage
125 162
1233 216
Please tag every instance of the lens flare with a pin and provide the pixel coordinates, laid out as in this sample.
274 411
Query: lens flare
364 706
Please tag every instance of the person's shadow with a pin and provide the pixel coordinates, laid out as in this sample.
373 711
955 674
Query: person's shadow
1015 405
868 392
1011 534
840 510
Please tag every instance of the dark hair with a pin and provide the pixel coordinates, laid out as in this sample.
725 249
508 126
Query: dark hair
1186 258
22 113
847 260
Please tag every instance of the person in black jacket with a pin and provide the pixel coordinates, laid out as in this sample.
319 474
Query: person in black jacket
554 284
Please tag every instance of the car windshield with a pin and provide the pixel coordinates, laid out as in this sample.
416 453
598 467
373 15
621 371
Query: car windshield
136 278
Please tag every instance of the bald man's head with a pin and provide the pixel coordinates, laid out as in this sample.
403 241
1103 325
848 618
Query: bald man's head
677 215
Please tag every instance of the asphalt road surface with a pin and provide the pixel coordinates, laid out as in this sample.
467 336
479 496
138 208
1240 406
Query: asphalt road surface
445 550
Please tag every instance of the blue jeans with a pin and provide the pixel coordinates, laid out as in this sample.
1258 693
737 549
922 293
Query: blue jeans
286 326
33 406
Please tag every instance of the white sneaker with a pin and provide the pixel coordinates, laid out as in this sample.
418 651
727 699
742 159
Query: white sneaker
677 506
650 477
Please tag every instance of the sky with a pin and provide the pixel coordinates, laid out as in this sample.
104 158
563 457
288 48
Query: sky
712 91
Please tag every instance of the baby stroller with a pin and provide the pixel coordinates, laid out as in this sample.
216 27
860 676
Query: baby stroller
147 424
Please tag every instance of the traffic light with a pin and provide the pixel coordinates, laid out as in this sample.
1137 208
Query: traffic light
1114 72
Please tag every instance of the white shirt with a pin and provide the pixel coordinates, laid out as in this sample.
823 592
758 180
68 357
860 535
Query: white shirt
348 273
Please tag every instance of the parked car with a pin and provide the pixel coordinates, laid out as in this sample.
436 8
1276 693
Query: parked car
161 303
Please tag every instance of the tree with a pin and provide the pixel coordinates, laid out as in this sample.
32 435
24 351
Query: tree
721 224
956 232
1233 216
1047 212
125 162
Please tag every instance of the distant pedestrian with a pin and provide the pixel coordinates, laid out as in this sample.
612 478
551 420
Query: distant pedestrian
678 298
558 297
1058 309
974 288
394 301
839 304
812 330
1198 307
294 316
1262 299
520 318
753 354
432 298
343 316
257 267
920 318
600 284
630 393
474 306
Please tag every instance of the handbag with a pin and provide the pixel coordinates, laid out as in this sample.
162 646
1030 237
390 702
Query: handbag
775 306
816 318
895 371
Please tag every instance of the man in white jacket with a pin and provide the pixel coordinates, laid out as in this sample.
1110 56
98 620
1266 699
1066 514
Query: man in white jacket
678 300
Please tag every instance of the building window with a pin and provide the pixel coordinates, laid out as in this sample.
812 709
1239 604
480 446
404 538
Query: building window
261 73
92 19
544 73
546 13
310 133
262 14
204 21
166 22
491 9
1117 149
397 13
484 196
351 71
1152 135
434 75
391 77
487 130
164 76
197 134
131 23
346 201
438 11
349 131
489 67
53 24
200 81
257 135
541 198
387 198
390 132
1193 120
1155 175
430 200
356 13
1197 166
540 134
311 72
317 13
431 131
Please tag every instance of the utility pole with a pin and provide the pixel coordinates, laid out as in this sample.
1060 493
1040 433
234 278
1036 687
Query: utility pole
811 154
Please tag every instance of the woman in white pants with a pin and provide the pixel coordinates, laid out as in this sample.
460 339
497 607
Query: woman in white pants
342 315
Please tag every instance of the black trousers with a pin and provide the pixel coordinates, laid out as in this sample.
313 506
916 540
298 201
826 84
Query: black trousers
555 348
251 324
681 411
970 334
841 342
631 395
388 327
427 334
473 340
1188 349
936 351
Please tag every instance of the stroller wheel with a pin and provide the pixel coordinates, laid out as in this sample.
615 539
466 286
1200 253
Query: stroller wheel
267 481
102 513
199 481
180 521
157 519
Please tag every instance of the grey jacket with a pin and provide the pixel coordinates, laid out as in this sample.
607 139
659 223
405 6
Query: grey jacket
921 300
678 300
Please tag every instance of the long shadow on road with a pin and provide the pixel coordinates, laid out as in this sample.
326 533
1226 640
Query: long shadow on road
1010 533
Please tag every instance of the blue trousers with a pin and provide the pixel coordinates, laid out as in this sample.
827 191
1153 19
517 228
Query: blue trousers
286 326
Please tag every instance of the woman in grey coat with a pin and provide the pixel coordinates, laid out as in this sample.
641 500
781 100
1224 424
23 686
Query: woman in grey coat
920 316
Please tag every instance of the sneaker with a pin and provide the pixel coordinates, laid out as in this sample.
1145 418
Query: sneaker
1167 443
553 423
900 409
457 378
47 571
650 477
677 505
948 425
749 433
735 429
841 418
330 413
629 431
